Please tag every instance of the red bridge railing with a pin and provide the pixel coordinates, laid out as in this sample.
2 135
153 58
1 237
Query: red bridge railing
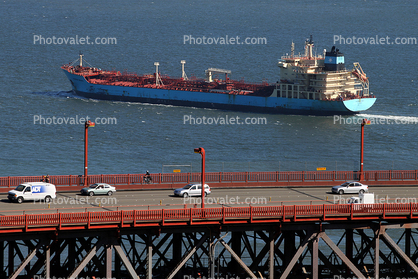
394 176
207 216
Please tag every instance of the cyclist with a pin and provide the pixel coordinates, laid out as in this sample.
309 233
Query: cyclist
147 177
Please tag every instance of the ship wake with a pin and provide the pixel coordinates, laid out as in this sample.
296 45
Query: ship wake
398 119
59 94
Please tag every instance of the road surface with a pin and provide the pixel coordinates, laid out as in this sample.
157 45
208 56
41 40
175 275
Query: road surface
157 199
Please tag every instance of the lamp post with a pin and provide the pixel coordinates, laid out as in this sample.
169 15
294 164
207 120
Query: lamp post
201 150
86 140
364 122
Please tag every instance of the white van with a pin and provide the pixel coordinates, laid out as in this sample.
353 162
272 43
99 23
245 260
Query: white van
33 191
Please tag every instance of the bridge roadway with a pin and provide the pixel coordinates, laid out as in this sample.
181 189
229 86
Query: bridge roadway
157 199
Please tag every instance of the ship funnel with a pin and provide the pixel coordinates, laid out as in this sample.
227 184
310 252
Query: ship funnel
334 60
183 73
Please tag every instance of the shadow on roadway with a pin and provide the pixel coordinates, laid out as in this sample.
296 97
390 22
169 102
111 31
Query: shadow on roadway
312 196
6 200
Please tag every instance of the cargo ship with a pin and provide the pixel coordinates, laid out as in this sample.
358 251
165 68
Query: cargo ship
308 84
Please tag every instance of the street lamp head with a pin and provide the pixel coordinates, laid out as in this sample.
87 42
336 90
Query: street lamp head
89 124
365 122
200 150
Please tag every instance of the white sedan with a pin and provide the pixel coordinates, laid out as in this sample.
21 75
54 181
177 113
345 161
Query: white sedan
350 187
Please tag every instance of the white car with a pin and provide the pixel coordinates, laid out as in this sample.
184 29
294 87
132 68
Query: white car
192 190
350 187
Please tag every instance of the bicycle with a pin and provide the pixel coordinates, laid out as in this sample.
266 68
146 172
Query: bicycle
147 179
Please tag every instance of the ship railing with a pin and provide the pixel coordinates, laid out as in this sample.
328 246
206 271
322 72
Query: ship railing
321 72
318 57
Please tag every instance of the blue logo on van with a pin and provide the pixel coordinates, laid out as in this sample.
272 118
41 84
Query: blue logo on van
36 189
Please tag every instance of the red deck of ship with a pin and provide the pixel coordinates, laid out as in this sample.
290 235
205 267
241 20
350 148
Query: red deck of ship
228 86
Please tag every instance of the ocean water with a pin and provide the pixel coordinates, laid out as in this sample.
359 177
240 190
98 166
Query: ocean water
152 137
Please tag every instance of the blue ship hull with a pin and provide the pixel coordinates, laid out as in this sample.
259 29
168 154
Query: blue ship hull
244 103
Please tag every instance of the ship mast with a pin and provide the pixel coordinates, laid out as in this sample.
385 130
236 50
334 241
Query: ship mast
183 73
158 80
81 59
292 50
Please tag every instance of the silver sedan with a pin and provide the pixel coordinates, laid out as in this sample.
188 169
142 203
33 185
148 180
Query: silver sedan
98 189
350 187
